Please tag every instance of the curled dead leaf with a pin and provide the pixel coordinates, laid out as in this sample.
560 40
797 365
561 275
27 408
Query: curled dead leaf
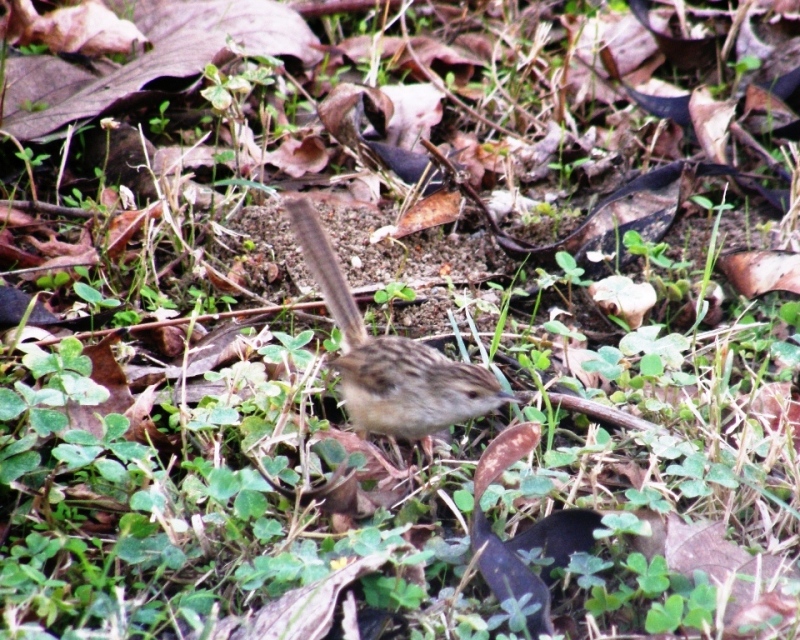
298 157
620 296
765 618
126 224
711 119
753 273
777 406
702 545
343 108
89 28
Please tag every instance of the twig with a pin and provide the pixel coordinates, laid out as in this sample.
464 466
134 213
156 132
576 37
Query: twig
465 187
601 412
268 310
43 207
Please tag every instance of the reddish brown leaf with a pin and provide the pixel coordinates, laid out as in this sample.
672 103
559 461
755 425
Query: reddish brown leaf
11 256
298 157
107 373
89 28
753 273
777 407
711 119
127 223
342 109
512 444
440 208
764 111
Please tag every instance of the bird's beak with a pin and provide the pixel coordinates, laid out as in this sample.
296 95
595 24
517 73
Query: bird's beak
508 397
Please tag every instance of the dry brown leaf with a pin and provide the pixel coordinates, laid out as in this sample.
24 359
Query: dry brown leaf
11 218
169 341
127 223
630 44
107 373
40 81
66 254
377 467
702 546
173 160
342 109
437 209
479 157
448 59
88 259
89 28
417 108
753 273
185 36
87 494
144 430
632 471
298 157
305 613
574 359
777 407
711 119
621 297
54 247
766 618
223 345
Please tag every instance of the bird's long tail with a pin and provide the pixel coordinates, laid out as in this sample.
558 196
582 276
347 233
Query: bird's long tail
324 266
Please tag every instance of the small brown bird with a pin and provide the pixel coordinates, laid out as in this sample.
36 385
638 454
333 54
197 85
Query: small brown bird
391 385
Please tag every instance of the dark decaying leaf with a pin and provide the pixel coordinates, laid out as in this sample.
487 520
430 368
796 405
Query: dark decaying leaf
559 535
503 570
684 53
13 305
508 577
347 110
650 215
410 167
674 108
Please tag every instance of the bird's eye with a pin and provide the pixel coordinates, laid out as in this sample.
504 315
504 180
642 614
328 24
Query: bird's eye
472 394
